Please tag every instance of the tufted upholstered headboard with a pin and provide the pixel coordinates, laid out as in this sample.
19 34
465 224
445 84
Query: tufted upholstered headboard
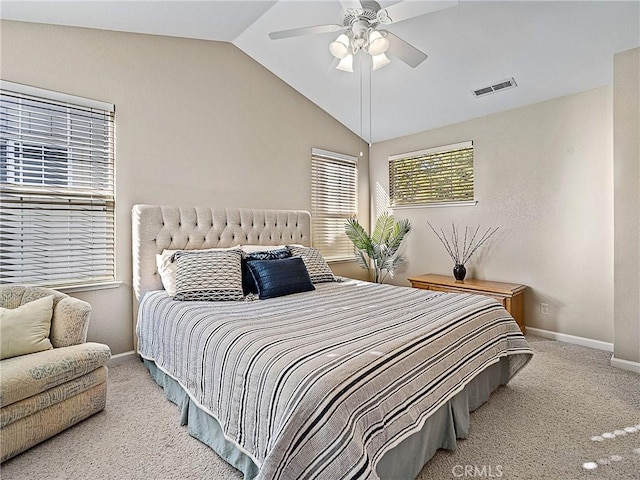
155 228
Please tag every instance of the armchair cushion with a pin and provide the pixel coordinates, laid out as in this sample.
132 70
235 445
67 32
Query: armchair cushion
28 375
25 329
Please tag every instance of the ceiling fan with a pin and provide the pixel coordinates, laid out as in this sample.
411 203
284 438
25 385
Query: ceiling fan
360 24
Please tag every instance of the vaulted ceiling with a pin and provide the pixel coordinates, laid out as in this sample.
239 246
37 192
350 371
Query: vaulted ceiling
550 48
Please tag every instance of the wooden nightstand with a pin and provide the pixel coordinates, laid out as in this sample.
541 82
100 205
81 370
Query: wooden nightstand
511 295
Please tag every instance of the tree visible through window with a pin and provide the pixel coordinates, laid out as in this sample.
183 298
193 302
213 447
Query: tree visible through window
433 176
56 188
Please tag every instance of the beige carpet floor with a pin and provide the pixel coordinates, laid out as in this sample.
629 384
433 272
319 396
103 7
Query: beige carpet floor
567 410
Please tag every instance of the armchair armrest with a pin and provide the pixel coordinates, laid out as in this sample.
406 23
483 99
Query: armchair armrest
70 322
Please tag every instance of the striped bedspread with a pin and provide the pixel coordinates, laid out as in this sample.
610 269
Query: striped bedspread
321 384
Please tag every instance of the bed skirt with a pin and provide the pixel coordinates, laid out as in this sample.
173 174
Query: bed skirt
404 461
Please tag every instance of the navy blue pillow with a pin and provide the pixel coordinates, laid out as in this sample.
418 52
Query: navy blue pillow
275 278
248 283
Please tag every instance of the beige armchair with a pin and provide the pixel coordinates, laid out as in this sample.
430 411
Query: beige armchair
45 392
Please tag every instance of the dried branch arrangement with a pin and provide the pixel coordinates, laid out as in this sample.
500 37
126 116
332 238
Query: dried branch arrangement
470 243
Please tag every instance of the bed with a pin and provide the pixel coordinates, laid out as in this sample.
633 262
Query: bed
347 380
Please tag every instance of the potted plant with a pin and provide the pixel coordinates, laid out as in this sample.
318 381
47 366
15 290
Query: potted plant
379 252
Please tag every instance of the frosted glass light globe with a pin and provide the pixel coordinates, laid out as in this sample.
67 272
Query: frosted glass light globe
339 48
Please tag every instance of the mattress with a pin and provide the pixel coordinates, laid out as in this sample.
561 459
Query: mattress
323 384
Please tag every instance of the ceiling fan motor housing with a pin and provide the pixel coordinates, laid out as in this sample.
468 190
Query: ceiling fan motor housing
360 29
368 13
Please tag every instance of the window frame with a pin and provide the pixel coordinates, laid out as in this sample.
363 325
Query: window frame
344 208
72 193
430 153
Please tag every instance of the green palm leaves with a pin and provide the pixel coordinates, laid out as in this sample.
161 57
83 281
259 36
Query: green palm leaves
378 252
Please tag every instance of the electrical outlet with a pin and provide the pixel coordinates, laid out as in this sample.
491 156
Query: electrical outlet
544 308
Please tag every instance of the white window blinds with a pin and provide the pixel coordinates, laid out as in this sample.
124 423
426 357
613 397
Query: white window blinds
434 176
56 188
334 199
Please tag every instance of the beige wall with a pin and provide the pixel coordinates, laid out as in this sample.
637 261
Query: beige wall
626 127
544 175
200 123
197 123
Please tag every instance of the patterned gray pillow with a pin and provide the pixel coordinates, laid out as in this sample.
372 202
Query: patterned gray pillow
210 275
317 266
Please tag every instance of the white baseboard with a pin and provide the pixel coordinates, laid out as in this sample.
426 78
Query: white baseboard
587 342
625 364
563 337
119 358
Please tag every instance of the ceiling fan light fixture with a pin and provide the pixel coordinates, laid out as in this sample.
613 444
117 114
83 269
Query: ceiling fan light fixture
346 64
379 61
378 44
339 48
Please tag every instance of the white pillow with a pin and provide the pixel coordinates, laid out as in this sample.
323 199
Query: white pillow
167 268
26 329
262 248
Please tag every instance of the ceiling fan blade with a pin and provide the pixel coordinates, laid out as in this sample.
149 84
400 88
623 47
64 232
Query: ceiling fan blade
409 9
296 32
404 51
350 4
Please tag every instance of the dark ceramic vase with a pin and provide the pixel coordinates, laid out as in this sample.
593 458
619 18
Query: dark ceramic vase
459 272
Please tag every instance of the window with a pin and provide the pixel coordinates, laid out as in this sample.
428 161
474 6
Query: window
334 199
431 177
56 188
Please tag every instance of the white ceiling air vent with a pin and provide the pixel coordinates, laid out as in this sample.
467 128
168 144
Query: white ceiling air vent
502 85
